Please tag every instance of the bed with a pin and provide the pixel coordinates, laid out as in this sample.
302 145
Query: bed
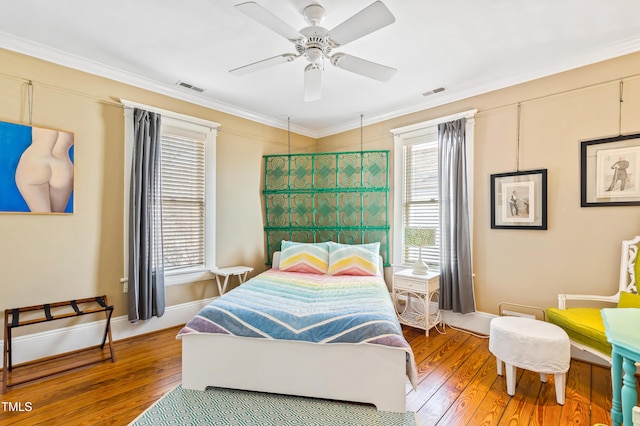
306 334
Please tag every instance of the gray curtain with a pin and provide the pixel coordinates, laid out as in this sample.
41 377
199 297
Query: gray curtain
456 280
146 262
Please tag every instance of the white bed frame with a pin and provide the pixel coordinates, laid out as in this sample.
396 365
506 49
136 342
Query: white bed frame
366 373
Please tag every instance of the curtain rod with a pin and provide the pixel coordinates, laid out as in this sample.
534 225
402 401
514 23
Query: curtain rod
172 114
433 122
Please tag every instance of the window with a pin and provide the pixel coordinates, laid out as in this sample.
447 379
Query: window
188 193
416 179
183 202
420 204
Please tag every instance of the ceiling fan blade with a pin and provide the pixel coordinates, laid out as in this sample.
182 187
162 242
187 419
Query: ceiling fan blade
368 20
258 13
265 63
312 82
363 67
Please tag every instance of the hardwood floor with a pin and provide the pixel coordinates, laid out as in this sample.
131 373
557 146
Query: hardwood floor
458 385
106 393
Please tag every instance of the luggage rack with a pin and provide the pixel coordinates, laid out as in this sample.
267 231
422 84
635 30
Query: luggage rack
12 320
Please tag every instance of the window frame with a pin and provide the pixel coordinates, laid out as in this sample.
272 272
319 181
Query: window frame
186 126
414 134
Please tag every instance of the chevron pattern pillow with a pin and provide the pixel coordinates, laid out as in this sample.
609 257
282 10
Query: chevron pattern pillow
360 259
304 257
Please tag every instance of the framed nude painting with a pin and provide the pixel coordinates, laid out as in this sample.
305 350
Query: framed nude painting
610 171
36 169
519 200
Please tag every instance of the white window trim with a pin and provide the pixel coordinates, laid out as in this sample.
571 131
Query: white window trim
209 128
403 136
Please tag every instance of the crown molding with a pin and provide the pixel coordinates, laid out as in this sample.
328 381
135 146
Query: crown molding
626 47
40 51
56 56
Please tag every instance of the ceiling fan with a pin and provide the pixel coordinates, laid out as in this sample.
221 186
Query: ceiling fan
316 43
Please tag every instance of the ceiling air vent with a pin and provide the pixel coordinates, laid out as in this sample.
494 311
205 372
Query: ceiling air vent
190 86
434 91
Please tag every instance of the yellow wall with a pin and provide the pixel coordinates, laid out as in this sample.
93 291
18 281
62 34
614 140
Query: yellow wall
46 258
49 258
580 252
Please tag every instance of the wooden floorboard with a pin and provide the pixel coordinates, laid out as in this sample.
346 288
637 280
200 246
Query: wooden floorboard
481 399
601 395
457 385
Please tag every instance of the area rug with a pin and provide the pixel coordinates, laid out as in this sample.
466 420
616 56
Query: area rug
218 406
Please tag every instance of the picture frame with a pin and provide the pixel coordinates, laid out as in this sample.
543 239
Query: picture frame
37 169
519 200
610 171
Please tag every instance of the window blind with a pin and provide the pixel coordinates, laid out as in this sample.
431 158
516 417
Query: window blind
183 201
421 206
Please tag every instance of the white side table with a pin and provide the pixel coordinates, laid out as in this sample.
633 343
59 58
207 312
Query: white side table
239 271
412 298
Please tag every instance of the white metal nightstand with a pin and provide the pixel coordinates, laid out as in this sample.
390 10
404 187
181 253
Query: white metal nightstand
239 271
413 296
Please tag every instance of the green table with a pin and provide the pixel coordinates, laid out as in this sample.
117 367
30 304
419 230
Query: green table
622 327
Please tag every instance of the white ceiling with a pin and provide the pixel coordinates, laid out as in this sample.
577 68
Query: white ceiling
467 46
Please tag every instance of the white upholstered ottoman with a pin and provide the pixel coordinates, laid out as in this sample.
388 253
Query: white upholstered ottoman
531 345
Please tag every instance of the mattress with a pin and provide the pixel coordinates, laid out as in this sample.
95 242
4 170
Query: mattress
308 307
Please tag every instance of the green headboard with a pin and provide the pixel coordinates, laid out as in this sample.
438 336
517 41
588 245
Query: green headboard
332 196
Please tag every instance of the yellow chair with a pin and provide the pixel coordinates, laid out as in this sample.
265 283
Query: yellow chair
584 325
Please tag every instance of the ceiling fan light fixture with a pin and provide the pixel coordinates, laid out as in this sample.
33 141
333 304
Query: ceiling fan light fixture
313 54
312 82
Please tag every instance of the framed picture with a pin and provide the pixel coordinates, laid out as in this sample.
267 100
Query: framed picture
519 200
610 172
36 169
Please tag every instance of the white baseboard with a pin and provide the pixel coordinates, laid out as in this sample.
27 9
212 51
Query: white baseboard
40 345
477 322
54 342
585 356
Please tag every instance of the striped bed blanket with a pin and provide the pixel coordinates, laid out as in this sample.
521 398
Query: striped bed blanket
316 308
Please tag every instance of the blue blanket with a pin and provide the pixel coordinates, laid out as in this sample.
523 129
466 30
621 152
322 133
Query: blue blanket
310 307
